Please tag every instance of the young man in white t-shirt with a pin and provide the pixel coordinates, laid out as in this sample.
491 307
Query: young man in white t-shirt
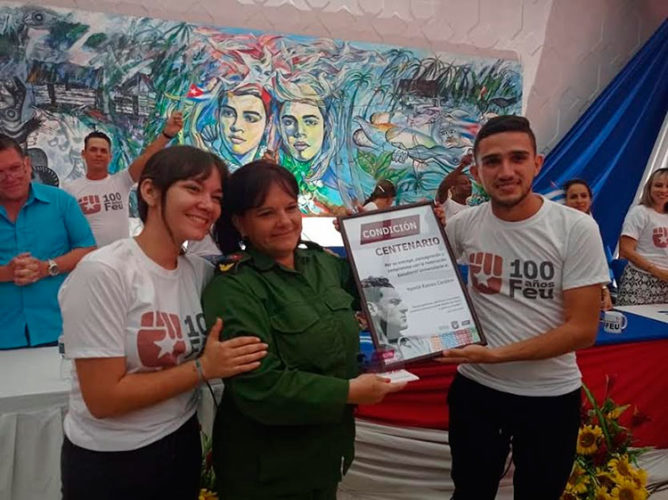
103 198
535 275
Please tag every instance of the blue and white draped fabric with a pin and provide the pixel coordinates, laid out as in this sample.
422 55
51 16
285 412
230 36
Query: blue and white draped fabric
611 143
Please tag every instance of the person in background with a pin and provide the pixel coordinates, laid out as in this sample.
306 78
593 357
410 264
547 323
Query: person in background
43 235
535 274
644 243
285 430
381 197
455 188
578 195
103 198
133 325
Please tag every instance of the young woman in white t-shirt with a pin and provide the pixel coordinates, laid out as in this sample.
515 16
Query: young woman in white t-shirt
579 196
133 324
381 197
644 242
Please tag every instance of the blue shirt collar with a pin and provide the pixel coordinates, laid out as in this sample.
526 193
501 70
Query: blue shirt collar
38 192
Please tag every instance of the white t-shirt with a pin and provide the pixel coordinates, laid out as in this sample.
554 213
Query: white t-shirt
119 303
370 206
452 208
205 247
104 202
517 274
650 229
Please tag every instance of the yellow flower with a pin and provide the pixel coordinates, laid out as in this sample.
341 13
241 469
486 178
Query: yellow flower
567 495
621 467
205 494
616 412
639 477
578 481
626 489
588 438
605 479
601 493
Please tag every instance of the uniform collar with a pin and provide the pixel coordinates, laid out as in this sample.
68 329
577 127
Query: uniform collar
263 262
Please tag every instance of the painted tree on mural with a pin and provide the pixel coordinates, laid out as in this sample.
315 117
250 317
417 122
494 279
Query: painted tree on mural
339 115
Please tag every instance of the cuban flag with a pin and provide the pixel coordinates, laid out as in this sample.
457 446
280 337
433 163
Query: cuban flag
197 94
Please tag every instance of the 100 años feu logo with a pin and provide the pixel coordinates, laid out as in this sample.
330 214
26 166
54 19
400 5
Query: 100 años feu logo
160 340
486 270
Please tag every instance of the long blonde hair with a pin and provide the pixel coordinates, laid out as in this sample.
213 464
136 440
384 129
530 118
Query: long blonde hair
646 198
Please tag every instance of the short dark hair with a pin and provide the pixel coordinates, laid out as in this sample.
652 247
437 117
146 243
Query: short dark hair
96 134
174 164
245 189
383 189
504 123
443 188
7 142
373 286
575 182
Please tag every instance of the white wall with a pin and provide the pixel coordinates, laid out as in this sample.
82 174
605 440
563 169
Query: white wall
569 49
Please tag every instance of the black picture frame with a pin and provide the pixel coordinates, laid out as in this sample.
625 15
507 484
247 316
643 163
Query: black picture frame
386 358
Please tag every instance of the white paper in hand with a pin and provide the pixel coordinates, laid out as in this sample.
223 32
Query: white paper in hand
399 376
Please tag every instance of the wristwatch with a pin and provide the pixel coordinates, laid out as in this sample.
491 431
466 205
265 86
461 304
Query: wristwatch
53 268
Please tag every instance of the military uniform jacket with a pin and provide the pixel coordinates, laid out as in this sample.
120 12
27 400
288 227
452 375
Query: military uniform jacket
286 427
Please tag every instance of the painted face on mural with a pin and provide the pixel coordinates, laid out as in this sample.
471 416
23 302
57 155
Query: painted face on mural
243 119
302 129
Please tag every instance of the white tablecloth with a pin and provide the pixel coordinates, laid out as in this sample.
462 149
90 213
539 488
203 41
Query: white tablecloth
33 400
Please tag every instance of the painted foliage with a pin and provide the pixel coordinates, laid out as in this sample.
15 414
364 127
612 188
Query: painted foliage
340 115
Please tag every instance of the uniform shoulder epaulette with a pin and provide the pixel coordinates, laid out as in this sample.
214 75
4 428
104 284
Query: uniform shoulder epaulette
228 263
311 245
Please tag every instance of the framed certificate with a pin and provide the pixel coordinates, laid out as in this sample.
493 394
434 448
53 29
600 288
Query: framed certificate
412 293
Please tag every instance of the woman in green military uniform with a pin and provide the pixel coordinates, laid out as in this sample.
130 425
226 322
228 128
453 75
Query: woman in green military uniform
285 430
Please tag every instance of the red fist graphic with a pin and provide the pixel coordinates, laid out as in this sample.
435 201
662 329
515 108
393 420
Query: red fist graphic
660 237
160 341
485 270
90 204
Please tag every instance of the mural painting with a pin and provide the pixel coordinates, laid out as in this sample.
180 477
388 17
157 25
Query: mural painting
340 115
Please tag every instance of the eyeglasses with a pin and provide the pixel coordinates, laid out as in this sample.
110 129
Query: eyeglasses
14 171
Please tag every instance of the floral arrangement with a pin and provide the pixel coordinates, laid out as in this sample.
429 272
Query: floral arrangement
207 475
606 466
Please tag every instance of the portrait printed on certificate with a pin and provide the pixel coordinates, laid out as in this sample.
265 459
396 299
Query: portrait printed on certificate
413 295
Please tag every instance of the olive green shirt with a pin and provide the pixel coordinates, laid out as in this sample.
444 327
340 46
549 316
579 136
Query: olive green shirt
286 427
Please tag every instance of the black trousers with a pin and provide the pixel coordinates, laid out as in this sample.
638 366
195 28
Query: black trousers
485 424
166 469
328 493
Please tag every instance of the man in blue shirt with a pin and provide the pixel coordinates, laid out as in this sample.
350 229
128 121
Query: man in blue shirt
43 235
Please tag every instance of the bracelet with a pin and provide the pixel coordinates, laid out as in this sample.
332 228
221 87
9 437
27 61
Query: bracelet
170 137
200 371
